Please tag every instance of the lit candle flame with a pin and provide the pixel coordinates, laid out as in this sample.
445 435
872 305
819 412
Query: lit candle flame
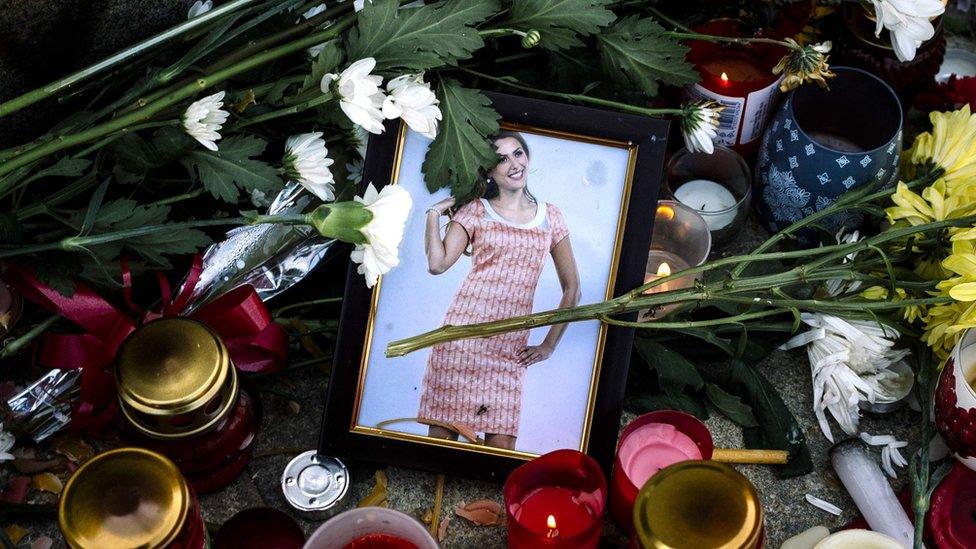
551 525
725 78
664 269
666 211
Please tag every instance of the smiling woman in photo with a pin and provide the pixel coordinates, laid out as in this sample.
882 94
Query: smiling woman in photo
477 383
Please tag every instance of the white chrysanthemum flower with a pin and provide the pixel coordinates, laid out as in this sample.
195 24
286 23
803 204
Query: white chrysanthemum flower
410 98
307 161
204 118
360 95
390 208
199 8
890 456
699 126
7 441
850 361
908 22
838 286
315 50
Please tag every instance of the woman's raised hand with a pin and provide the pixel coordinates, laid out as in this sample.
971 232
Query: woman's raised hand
442 206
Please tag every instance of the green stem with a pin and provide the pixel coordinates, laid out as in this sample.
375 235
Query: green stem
123 56
660 15
174 97
60 196
178 198
655 325
575 96
319 100
280 312
11 347
488 33
726 39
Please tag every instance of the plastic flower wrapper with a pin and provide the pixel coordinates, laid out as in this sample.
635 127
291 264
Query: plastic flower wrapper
271 257
44 407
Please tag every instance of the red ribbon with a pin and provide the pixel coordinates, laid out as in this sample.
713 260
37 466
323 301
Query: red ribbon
255 342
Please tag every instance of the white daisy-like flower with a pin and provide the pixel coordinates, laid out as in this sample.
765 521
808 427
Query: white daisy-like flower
307 161
203 120
7 441
850 361
390 208
909 23
360 95
410 98
315 50
699 125
199 8
890 456
838 286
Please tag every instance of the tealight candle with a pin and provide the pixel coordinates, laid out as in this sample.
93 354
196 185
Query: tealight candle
556 500
648 444
680 240
708 197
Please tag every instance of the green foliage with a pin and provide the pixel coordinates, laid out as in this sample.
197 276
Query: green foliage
674 372
637 54
232 168
416 39
57 270
327 61
461 152
730 405
641 404
135 156
560 22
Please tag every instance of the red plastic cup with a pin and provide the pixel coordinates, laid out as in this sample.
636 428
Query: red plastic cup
623 490
556 501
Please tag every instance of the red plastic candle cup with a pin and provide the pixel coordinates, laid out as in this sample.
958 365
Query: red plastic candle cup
371 528
556 500
739 77
952 516
648 444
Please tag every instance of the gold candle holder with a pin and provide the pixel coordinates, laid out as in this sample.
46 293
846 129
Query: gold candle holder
125 498
175 378
703 504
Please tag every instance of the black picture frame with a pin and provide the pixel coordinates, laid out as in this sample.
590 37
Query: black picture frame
649 137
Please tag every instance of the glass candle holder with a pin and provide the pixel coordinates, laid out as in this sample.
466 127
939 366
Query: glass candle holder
955 400
858 470
698 504
259 528
681 240
366 527
130 498
718 186
556 500
648 444
952 515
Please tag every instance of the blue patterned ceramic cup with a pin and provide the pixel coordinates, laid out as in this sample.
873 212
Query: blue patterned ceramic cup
823 143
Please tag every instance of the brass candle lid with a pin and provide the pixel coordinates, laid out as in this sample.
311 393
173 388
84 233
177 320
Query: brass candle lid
703 504
171 366
128 497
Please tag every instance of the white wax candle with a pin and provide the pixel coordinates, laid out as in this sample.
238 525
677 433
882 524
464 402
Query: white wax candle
708 197
858 539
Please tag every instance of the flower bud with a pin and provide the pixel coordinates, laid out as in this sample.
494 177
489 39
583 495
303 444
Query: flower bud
341 220
531 39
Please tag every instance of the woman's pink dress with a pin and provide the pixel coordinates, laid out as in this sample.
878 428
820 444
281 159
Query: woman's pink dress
478 382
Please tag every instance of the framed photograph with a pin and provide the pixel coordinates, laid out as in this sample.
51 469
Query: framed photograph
565 218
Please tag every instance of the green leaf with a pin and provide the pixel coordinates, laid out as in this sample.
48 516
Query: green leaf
637 54
418 38
730 405
777 428
560 22
461 152
231 168
58 270
65 167
327 61
674 372
648 403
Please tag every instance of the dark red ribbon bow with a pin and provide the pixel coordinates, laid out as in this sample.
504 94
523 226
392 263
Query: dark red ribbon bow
255 342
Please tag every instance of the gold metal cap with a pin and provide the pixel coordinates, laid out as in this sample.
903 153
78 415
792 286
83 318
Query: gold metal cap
171 366
701 504
124 498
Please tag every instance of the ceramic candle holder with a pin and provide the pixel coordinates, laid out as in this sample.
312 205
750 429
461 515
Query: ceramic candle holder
955 400
648 444
371 527
718 186
823 143
681 239
556 500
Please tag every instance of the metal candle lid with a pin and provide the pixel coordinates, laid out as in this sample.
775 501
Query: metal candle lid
316 485
128 497
698 504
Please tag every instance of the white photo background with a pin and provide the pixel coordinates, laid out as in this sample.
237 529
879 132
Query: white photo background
586 182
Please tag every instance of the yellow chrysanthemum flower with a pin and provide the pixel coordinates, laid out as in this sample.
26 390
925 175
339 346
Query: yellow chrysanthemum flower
950 145
910 313
945 323
938 201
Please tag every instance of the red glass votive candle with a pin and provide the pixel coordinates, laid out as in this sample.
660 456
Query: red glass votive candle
739 77
648 444
556 500
260 528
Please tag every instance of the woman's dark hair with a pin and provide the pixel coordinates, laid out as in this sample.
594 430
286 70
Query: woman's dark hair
491 188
